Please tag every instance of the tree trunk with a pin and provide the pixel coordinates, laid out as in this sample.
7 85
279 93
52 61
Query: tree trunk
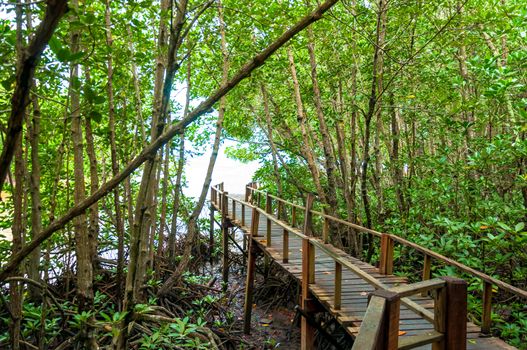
179 175
164 192
377 70
331 168
82 239
93 228
143 206
306 149
193 229
17 230
119 221
274 152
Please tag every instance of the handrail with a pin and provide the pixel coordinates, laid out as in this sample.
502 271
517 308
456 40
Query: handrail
218 197
380 325
503 285
330 251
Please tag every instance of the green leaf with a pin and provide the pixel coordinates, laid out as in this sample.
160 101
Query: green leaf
55 45
519 226
96 116
76 56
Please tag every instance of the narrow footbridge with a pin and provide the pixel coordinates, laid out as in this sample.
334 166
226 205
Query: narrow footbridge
376 308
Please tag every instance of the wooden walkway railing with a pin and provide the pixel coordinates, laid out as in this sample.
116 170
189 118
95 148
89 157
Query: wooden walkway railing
285 215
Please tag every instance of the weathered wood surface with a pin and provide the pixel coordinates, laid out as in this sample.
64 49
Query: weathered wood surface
354 288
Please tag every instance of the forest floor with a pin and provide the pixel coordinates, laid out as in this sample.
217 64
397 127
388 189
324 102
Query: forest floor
272 324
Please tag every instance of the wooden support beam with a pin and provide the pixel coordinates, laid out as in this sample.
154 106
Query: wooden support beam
427 264
280 211
308 216
233 209
268 210
390 323
225 242
211 233
243 214
325 231
386 255
285 245
247 191
487 308
249 287
307 331
255 218
244 249
450 309
293 216
338 286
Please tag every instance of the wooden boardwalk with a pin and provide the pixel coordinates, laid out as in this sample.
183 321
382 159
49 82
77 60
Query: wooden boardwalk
348 301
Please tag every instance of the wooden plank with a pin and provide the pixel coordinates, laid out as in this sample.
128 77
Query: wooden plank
419 287
411 342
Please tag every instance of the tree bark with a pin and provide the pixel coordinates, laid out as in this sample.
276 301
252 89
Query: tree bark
93 227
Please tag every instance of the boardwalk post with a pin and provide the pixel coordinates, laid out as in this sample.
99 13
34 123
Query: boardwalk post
487 308
386 256
390 323
450 310
285 246
280 211
427 263
212 195
338 286
249 286
268 210
243 214
211 232
308 217
307 333
251 266
247 191
233 209
325 231
225 241
255 218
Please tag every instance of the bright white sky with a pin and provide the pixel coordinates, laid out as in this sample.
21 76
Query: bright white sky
233 173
